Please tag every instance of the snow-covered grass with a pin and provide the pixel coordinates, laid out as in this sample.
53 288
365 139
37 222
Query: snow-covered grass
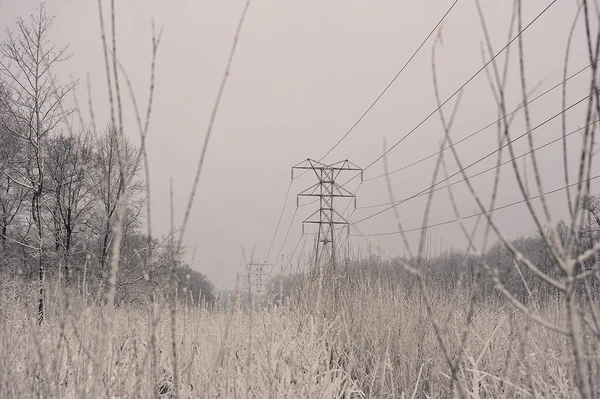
369 341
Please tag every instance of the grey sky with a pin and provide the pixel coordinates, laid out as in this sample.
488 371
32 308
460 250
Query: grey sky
304 72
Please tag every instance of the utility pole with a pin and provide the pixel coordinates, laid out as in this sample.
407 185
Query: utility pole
326 190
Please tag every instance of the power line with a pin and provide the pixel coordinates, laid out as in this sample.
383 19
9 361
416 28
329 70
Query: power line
280 217
462 86
295 249
308 203
284 240
343 243
490 168
476 214
301 258
391 82
421 123
287 194
473 163
483 128
454 94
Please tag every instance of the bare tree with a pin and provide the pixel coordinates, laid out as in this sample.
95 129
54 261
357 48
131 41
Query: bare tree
110 186
69 159
35 107
591 203
11 195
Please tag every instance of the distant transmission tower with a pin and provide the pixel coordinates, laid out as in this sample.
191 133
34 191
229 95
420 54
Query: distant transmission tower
258 278
326 217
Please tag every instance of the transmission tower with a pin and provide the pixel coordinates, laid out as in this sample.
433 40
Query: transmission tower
326 217
257 278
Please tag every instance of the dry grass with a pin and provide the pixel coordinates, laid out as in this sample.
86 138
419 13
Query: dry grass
353 336
372 342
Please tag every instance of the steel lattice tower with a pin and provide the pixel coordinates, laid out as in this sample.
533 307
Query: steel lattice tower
326 217
256 280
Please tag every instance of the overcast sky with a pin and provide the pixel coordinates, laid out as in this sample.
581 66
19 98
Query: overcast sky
304 72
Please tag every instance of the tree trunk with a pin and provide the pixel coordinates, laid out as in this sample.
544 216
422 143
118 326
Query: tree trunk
104 247
3 247
41 271
68 233
4 232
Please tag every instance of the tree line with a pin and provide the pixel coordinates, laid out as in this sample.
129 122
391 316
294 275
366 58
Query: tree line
60 184
453 271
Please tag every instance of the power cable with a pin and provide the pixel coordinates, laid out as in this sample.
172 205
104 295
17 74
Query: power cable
287 194
473 163
284 240
462 86
421 123
483 128
475 214
490 168
391 82
294 251
301 258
